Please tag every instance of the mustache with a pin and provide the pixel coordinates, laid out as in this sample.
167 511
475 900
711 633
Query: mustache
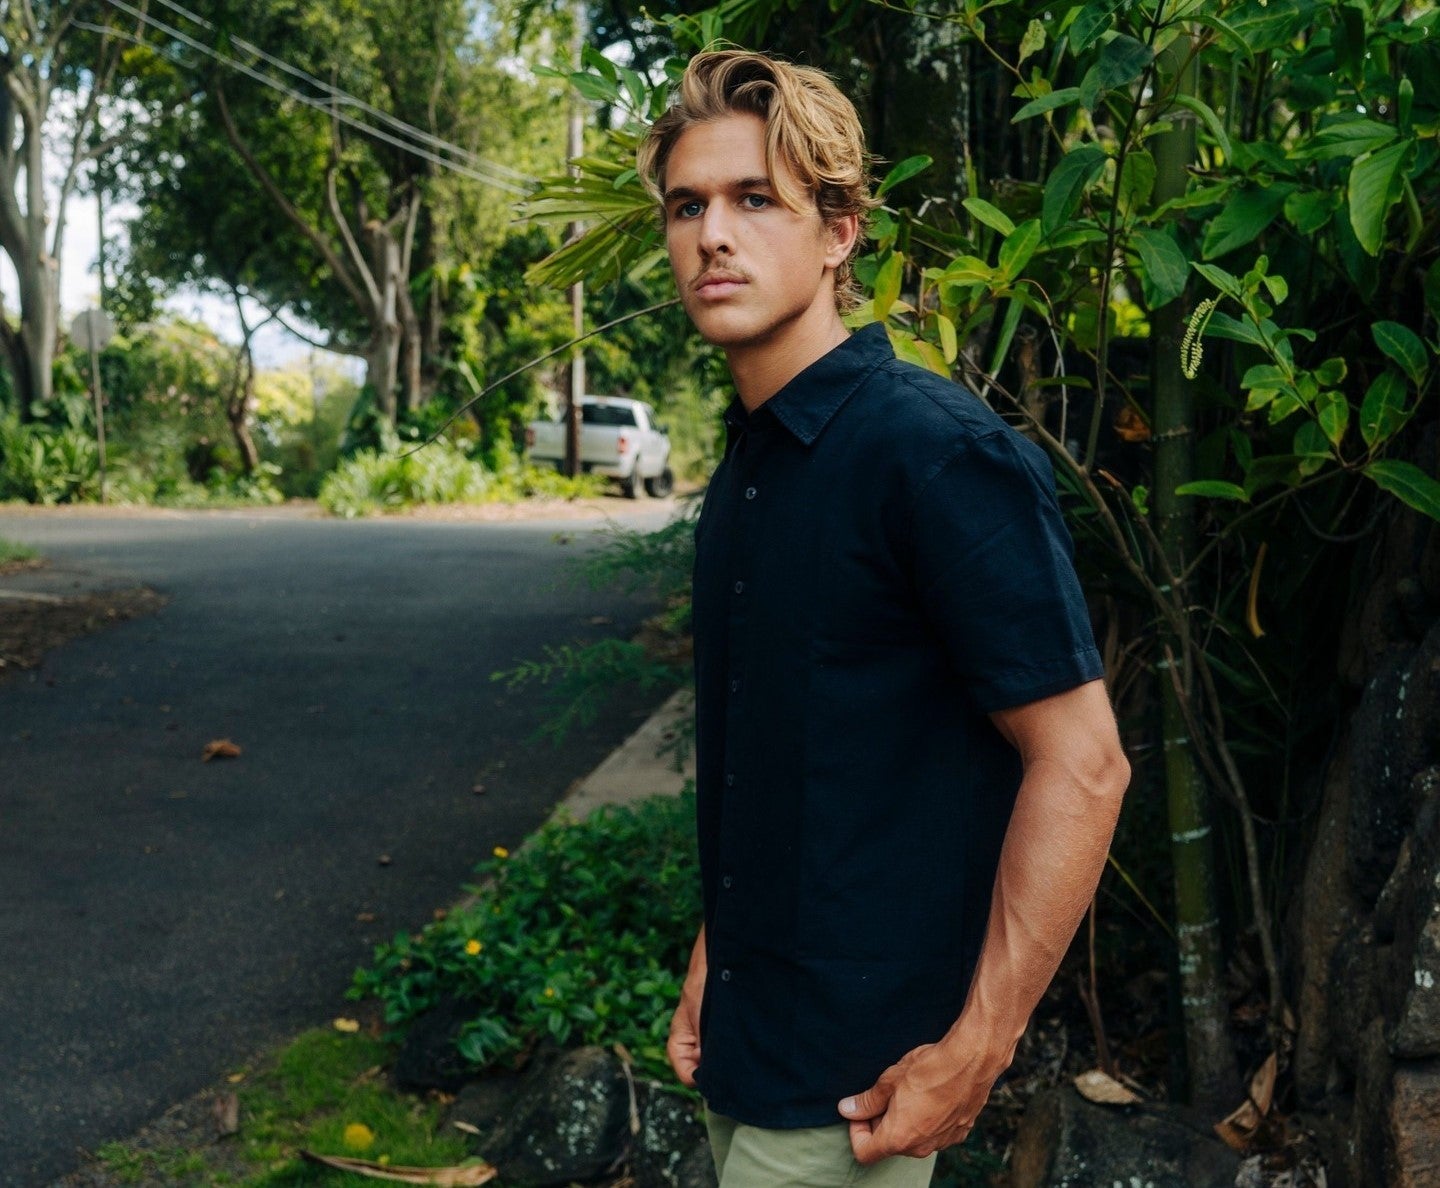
719 274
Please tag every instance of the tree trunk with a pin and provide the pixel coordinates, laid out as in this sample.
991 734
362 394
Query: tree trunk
1209 1055
382 356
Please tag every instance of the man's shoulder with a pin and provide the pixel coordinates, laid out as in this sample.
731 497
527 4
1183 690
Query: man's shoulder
916 405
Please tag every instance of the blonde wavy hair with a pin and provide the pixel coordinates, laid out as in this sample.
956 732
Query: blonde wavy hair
809 125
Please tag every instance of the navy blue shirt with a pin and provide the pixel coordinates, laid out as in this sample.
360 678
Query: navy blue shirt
880 564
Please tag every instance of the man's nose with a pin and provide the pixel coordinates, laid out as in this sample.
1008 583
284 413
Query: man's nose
716 230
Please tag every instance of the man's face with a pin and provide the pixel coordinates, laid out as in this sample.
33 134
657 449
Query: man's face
746 266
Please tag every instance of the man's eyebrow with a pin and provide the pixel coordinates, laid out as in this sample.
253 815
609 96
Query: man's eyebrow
739 184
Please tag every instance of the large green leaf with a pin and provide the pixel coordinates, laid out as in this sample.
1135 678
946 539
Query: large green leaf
1209 119
1061 98
1404 346
1214 489
1382 414
1077 170
1375 186
1409 483
991 216
1333 412
1268 24
904 171
1089 23
1137 180
1163 267
1308 211
1018 247
1244 217
1121 61
1349 139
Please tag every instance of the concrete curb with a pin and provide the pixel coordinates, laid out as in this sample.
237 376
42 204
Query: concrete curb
637 768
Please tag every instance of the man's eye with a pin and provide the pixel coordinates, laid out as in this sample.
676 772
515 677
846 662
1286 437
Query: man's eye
687 210
756 201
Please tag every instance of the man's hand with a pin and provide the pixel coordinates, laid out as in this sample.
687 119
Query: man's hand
923 1104
683 1047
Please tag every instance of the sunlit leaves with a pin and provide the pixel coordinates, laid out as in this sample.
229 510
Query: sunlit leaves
1409 483
1403 345
1382 413
1374 187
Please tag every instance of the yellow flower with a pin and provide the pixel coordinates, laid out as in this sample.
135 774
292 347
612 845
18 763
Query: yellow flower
358 1136
501 852
549 992
347 1026
473 947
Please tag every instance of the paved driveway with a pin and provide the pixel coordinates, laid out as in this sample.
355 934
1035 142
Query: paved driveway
163 918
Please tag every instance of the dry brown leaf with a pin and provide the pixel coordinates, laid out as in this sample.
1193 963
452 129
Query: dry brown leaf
467 1127
1104 1089
220 748
1239 1128
225 1110
1131 426
467 1176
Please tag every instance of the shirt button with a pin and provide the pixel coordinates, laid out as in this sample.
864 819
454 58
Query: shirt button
739 587
727 882
730 779
724 975
735 686
750 492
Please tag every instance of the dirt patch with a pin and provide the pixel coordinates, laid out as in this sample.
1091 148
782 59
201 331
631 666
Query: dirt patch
31 625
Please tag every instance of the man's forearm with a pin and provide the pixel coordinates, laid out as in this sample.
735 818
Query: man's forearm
1051 862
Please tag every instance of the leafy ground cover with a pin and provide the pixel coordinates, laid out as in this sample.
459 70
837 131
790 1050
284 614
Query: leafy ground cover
580 937
324 1092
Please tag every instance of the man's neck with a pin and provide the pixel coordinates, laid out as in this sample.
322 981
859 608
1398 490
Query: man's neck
761 369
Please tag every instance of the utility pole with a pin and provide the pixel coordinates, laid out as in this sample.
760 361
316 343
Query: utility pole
577 290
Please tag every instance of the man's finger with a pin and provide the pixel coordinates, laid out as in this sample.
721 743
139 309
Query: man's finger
870 1104
866 1144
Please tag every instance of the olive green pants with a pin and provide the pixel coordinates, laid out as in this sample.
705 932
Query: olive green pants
750 1157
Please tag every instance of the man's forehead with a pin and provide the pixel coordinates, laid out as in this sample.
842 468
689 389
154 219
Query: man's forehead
730 148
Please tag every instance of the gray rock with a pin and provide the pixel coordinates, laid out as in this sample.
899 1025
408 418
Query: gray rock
568 1121
672 1149
1065 1141
1381 770
1414 1125
1411 987
1353 1000
1325 908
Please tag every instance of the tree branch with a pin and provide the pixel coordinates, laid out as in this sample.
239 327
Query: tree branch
277 195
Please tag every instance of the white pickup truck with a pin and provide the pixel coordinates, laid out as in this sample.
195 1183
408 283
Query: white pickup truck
618 438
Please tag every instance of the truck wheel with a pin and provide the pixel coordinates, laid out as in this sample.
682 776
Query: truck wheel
630 484
661 485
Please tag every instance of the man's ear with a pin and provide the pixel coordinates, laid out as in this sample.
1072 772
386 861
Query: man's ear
842 234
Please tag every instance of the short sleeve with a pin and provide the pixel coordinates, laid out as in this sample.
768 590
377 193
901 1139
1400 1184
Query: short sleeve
995 574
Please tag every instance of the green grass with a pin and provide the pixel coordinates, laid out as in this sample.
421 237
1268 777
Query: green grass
10 552
305 1097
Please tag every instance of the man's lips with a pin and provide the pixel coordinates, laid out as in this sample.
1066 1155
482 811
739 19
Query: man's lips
719 284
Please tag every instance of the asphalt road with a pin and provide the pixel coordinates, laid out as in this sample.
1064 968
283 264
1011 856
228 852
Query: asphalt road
162 919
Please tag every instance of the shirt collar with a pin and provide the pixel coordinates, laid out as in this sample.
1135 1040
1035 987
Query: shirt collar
807 403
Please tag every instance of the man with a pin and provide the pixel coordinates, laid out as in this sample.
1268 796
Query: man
908 770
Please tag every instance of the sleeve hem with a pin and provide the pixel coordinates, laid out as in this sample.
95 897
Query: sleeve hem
1036 681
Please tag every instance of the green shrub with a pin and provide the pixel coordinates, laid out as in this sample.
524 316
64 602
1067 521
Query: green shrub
370 482
49 464
583 936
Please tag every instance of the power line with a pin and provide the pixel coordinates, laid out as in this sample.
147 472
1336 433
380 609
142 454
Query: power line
477 174
345 97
